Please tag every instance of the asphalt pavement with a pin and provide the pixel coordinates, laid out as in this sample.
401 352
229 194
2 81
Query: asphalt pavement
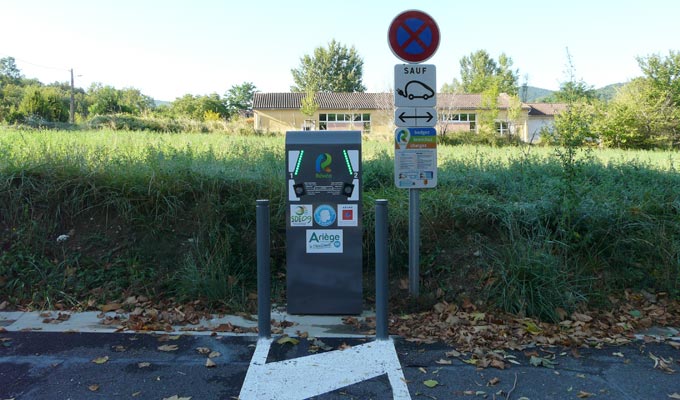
54 361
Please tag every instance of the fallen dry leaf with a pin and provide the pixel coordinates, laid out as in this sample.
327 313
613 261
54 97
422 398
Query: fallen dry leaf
165 338
101 360
143 364
344 346
302 335
430 383
203 350
493 381
674 396
662 363
584 395
288 339
168 347
541 362
452 353
210 363
110 307
441 361
93 388
532 327
214 354
581 317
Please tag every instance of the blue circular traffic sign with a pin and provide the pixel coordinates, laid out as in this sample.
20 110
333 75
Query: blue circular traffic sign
413 36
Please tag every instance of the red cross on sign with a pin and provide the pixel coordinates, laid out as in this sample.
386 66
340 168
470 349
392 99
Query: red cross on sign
413 36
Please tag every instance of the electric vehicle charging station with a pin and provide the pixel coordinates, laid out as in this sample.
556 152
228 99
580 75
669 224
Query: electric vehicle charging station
323 222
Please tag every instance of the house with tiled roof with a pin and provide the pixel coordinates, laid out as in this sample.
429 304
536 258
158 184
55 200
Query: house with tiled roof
373 113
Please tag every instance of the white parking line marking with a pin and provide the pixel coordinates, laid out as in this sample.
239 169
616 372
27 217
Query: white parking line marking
313 375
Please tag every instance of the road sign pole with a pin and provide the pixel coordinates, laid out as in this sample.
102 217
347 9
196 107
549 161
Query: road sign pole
414 242
381 281
413 37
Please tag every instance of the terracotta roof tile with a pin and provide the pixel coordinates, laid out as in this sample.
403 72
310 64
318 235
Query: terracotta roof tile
327 101
374 101
546 109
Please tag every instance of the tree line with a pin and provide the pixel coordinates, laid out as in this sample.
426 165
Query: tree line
644 113
24 100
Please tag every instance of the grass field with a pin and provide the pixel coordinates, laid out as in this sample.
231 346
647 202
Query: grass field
172 215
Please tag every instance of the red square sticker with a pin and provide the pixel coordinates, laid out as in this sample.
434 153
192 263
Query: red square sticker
347 215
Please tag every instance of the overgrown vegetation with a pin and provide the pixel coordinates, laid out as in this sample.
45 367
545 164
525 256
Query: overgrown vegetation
172 215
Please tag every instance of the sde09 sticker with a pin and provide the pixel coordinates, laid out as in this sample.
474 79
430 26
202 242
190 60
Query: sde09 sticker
301 215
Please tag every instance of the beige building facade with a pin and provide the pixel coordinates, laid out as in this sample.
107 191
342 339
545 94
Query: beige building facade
373 114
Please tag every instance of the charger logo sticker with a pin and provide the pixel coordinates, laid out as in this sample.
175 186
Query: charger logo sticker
324 241
348 215
323 166
325 215
301 215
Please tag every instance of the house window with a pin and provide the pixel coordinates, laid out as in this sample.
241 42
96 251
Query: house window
460 120
338 122
502 128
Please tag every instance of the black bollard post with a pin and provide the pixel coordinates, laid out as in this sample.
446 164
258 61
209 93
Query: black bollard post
264 310
381 258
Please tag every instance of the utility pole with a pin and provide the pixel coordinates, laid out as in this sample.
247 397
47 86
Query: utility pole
73 101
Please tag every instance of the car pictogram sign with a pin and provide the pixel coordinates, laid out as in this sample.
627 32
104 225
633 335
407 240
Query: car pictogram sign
413 36
415 85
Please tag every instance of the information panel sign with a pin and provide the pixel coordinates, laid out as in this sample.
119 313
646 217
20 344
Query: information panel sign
415 158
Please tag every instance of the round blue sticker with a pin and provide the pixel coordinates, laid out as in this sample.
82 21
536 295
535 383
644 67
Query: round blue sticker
325 215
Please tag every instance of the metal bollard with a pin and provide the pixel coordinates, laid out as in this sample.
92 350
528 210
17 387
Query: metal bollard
381 258
264 309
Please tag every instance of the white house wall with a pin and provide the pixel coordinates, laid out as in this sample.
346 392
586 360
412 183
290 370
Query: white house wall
536 125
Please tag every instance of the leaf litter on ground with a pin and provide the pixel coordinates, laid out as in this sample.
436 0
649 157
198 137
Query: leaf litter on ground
474 334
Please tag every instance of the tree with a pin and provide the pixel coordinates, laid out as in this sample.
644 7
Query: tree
135 102
9 72
309 106
199 107
573 90
452 88
479 72
45 102
109 100
507 77
632 118
104 100
663 74
332 69
240 97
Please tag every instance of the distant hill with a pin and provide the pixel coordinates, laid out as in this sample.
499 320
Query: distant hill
534 94
162 103
608 92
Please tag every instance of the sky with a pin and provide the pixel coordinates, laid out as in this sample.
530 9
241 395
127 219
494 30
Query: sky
170 48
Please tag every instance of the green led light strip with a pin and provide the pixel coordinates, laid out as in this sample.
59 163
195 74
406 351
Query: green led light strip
299 162
349 164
